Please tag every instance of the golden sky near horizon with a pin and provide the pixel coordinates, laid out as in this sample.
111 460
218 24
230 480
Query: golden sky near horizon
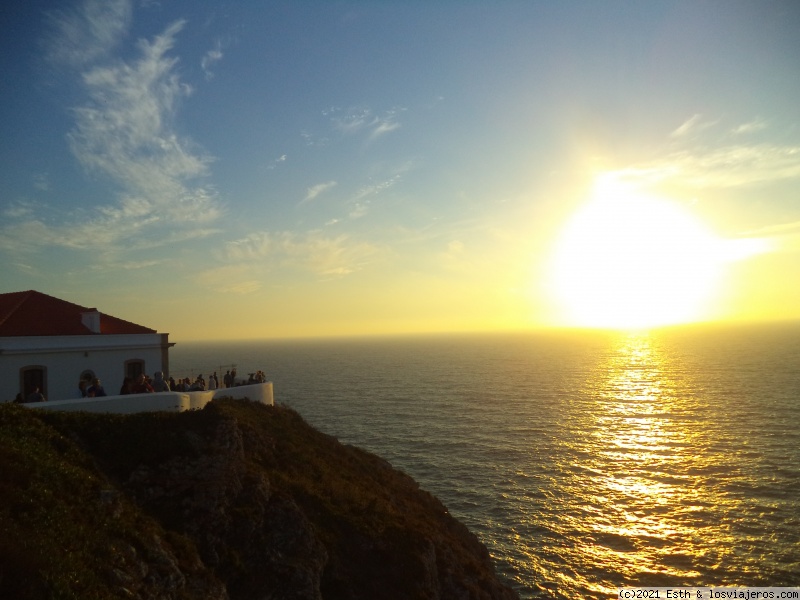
380 168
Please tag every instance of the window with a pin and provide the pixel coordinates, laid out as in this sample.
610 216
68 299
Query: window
32 377
134 368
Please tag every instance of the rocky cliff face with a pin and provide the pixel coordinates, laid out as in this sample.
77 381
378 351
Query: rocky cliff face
237 501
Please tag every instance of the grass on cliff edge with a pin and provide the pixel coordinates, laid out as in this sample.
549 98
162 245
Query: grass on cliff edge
339 480
61 469
63 524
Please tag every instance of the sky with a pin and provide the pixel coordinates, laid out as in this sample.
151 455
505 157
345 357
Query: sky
221 170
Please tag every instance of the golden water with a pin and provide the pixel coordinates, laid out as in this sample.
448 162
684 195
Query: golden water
584 462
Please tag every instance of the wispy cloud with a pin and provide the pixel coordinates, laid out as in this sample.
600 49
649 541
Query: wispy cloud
314 141
88 32
749 127
692 126
726 166
377 188
237 279
386 123
278 161
122 132
318 189
723 158
361 202
210 58
723 167
382 127
18 210
320 254
363 120
241 288
42 182
349 121
128 265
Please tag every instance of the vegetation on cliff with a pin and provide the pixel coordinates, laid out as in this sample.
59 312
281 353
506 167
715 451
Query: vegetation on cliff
237 501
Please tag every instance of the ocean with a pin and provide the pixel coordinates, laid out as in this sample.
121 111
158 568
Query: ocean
583 461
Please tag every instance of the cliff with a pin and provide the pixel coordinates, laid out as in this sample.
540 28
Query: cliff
236 501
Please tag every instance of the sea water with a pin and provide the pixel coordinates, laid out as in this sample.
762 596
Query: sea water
584 461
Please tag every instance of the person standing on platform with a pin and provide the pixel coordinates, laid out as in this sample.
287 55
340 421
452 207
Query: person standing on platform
159 383
36 395
141 386
95 390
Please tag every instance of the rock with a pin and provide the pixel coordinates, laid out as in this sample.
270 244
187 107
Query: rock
237 501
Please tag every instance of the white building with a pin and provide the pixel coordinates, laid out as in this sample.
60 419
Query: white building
53 344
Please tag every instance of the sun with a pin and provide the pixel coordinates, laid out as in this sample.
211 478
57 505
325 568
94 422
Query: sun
628 260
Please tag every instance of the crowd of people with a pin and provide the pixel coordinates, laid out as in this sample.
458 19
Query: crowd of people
36 395
143 384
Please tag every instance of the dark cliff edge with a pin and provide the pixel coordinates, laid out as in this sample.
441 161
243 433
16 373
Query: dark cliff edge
236 501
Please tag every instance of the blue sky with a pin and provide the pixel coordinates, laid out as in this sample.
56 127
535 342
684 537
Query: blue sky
257 169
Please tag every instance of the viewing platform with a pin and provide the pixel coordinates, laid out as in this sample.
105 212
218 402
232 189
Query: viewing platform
161 401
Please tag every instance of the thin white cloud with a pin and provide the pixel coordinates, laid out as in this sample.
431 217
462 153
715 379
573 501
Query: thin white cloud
377 188
314 141
362 200
123 132
88 32
382 127
692 126
18 210
362 120
386 123
359 210
314 252
727 166
42 182
278 161
127 265
749 127
25 268
228 279
210 58
316 190
351 121
685 127
21 235
242 288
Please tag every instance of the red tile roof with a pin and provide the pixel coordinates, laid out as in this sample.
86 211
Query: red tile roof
34 313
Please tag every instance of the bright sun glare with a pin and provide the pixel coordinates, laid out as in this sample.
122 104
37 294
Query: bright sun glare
629 261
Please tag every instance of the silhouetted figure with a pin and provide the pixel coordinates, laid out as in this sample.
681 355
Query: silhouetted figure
141 386
36 395
159 383
127 387
95 390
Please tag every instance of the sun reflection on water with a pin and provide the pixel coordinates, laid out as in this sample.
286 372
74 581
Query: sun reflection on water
643 442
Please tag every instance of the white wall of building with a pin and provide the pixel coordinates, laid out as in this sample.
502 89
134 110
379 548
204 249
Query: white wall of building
66 357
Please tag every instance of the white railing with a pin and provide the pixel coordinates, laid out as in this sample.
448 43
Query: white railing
162 401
